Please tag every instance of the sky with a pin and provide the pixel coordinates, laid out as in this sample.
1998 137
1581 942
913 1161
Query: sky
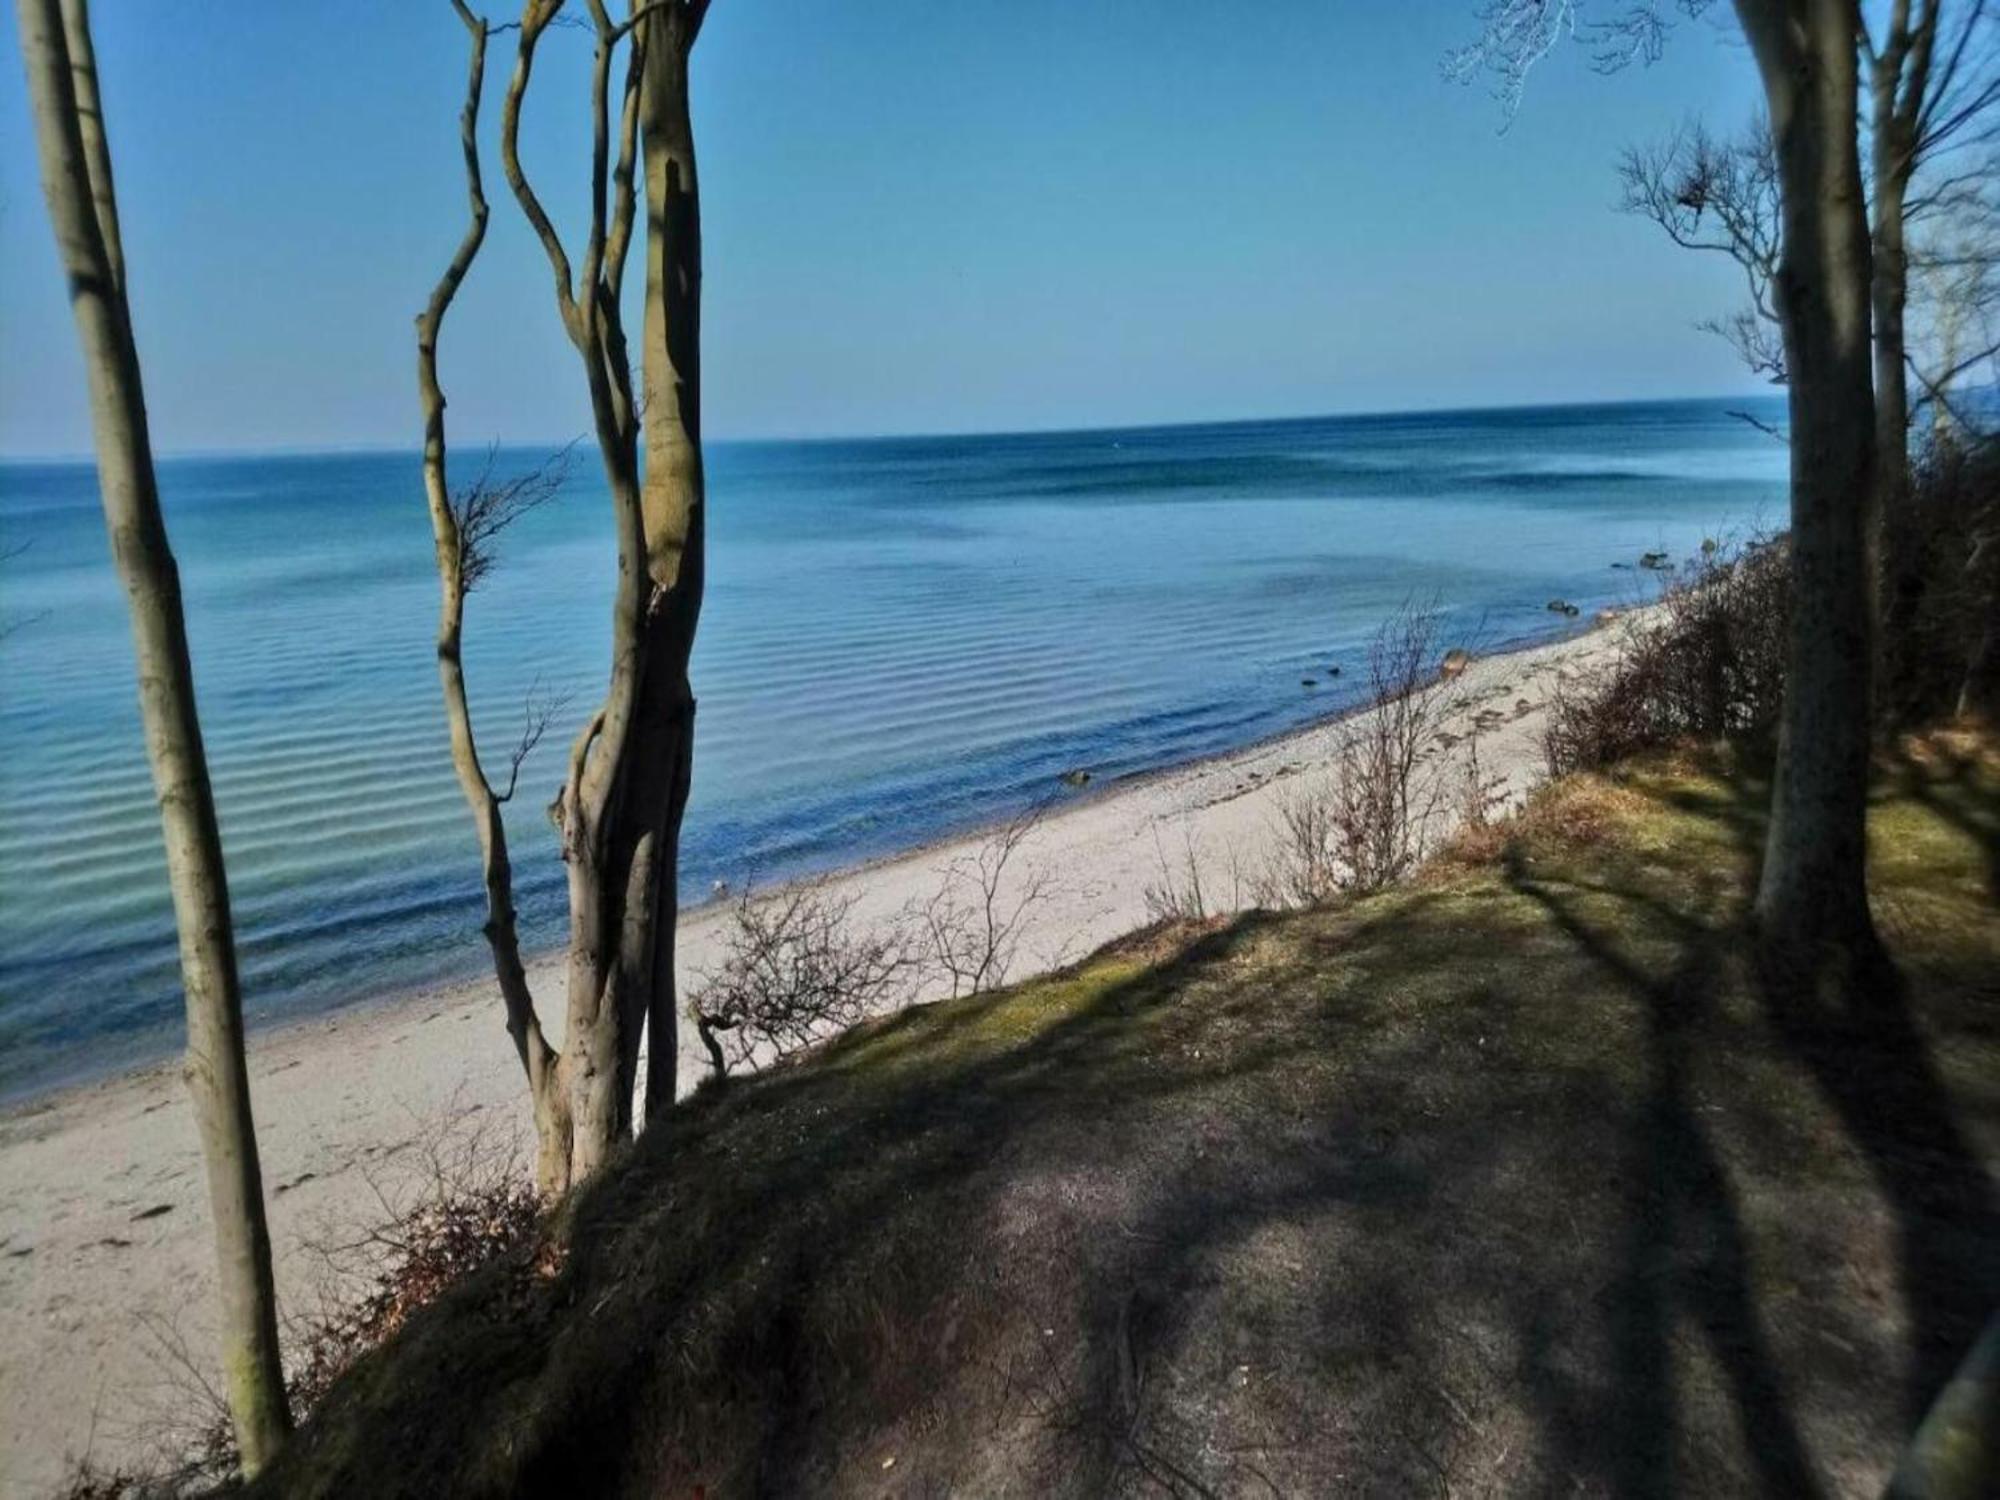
919 216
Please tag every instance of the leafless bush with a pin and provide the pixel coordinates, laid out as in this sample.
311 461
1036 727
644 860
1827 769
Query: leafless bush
794 973
455 1202
1367 822
465 1203
1480 795
1709 663
1183 893
969 929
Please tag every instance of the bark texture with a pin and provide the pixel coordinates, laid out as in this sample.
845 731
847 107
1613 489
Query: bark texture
76 176
1898 81
1812 891
619 811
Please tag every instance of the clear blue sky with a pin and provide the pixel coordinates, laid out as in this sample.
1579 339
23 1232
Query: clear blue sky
921 215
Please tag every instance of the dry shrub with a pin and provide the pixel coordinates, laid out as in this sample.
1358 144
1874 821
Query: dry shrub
1366 823
969 930
418 1256
794 973
1480 835
1575 813
1184 892
460 1203
1708 663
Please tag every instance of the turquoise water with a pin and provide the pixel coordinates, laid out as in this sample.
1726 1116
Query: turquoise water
902 637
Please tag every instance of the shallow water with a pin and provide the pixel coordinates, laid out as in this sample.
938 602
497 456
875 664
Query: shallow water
902 637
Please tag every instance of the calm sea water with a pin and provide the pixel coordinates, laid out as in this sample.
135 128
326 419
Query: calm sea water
902 638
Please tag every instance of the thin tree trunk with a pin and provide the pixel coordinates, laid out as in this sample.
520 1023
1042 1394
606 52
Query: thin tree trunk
75 161
1898 79
1893 159
546 1086
674 499
1812 891
620 808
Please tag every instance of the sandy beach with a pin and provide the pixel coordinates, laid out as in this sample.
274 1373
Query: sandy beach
104 1237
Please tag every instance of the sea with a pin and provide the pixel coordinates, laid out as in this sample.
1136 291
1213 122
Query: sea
903 638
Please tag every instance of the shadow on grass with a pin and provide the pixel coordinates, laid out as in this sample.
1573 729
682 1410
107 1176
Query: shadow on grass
1517 1180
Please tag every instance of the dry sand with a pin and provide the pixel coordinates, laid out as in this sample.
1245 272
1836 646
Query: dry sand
104 1238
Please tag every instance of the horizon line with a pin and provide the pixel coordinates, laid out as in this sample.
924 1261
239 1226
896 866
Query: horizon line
370 449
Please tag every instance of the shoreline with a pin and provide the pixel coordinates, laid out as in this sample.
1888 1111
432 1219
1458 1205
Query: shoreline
141 1057
106 1223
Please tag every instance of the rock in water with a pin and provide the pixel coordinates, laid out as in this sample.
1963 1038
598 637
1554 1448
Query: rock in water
1454 664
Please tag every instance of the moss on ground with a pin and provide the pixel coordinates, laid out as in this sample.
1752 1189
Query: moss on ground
1522 1177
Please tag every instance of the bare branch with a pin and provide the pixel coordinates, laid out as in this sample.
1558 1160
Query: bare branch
794 973
464 527
482 510
1757 342
535 18
971 925
1761 425
1717 195
538 707
1516 35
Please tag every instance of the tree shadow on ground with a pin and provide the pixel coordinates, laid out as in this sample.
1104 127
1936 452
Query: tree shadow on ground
1521 1180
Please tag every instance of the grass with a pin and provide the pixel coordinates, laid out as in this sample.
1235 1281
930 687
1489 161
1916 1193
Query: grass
1520 1177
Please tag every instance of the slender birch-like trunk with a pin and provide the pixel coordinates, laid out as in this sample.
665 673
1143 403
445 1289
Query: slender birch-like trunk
455 528
618 814
1812 891
76 175
675 493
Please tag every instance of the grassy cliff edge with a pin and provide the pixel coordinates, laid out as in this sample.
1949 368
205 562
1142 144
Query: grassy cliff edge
1520 1175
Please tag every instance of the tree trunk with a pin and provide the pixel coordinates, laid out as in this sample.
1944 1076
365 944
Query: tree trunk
1812 892
456 554
620 809
75 161
1889 292
675 492
1898 84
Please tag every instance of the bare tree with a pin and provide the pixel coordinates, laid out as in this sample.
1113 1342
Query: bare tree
1932 88
83 210
1719 195
619 810
970 927
1812 890
794 972
1368 820
1933 96
1955 296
